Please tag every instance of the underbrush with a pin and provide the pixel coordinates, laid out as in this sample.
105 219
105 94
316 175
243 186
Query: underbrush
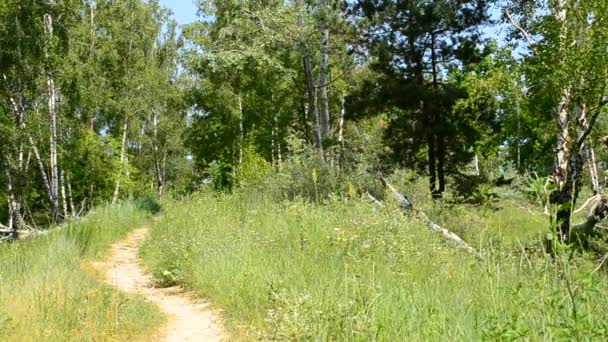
47 294
347 270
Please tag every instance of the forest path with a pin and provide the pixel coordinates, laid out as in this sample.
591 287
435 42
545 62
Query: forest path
188 319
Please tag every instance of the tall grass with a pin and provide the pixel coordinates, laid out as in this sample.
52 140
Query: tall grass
47 293
349 271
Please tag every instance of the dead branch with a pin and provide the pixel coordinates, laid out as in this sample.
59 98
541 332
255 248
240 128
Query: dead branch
598 211
374 200
518 27
406 205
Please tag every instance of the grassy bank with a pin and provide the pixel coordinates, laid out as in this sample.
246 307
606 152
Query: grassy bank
47 293
347 271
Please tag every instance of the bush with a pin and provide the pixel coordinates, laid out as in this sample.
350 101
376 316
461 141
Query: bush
148 203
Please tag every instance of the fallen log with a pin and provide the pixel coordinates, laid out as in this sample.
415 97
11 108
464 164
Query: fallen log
406 205
598 211
5 230
374 200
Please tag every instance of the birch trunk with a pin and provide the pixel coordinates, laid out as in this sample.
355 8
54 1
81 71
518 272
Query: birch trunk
15 221
595 182
43 173
123 161
71 196
159 173
323 72
52 107
64 199
341 121
476 164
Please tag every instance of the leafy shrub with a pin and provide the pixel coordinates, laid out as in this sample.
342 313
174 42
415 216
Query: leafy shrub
148 203
254 171
535 189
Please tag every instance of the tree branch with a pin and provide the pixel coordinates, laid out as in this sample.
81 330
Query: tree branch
598 110
518 27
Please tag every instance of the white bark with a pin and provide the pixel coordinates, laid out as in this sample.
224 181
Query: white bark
71 196
52 107
123 161
64 200
406 205
43 173
323 71
562 119
14 207
595 182
158 164
341 122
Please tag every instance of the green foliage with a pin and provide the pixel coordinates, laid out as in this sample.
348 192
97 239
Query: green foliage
47 291
94 166
221 175
536 189
253 171
148 203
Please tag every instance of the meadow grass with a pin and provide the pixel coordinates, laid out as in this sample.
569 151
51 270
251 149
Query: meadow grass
49 293
350 271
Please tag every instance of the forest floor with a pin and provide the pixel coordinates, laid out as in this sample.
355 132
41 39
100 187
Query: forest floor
188 319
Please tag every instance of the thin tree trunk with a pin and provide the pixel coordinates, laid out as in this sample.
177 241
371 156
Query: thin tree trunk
323 72
159 173
518 144
437 127
341 121
15 219
163 171
43 174
52 107
432 166
123 160
241 129
71 196
64 199
441 151
313 113
312 107
595 182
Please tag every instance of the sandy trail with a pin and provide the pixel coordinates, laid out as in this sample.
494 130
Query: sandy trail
188 319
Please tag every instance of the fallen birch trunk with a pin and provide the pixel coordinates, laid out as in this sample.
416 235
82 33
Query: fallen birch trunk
598 211
406 205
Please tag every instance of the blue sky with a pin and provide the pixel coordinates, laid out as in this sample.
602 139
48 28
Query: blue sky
184 10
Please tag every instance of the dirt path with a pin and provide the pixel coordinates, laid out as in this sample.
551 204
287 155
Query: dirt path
189 320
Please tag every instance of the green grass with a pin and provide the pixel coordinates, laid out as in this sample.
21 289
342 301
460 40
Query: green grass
350 271
49 293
